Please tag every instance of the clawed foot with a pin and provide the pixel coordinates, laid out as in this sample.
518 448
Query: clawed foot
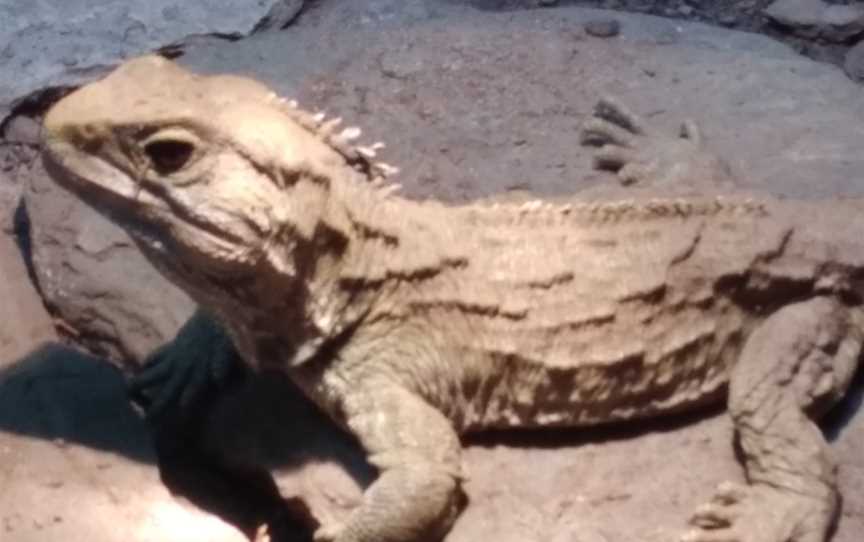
178 376
626 145
761 513
167 380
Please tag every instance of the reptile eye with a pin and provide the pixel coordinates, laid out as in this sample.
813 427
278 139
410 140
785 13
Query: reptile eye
169 155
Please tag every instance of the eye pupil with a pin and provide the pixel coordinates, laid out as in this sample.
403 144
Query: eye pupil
169 155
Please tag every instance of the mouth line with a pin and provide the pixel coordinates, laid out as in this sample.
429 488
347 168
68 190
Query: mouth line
179 210
111 190
117 196
91 178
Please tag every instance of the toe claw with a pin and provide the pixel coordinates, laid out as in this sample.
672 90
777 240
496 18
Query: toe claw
690 130
634 173
613 111
711 516
611 157
597 131
729 493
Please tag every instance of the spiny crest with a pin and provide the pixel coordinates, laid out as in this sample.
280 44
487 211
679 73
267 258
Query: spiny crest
629 209
359 157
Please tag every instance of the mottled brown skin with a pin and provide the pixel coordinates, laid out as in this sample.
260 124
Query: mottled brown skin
411 323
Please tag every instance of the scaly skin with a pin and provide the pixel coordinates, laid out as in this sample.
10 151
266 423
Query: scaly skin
411 323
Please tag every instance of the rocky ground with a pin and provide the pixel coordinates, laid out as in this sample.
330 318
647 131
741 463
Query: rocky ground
822 30
474 98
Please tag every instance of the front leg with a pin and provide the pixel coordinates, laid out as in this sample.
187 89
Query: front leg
179 376
793 367
417 494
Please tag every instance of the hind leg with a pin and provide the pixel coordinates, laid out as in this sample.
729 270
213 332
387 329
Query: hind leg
793 367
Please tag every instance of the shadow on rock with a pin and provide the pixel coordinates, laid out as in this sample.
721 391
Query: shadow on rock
57 393
221 460
225 458
841 417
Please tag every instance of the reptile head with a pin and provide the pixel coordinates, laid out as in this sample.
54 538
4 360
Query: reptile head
203 171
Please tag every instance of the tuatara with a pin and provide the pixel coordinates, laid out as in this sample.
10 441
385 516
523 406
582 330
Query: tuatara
413 322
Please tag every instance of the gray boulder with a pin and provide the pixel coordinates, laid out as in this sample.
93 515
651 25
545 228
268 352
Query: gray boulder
48 43
95 279
818 19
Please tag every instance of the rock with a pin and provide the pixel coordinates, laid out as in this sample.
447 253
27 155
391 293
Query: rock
10 197
20 140
728 20
853 64
24 322
283 13
96 280
22 129
93 277
43 42
77 464
401 86
818 19
604 28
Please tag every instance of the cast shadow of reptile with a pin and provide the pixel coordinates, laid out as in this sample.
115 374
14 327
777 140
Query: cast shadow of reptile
59 394
219 457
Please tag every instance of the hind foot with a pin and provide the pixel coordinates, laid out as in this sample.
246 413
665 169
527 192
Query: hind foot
761 513
626 145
